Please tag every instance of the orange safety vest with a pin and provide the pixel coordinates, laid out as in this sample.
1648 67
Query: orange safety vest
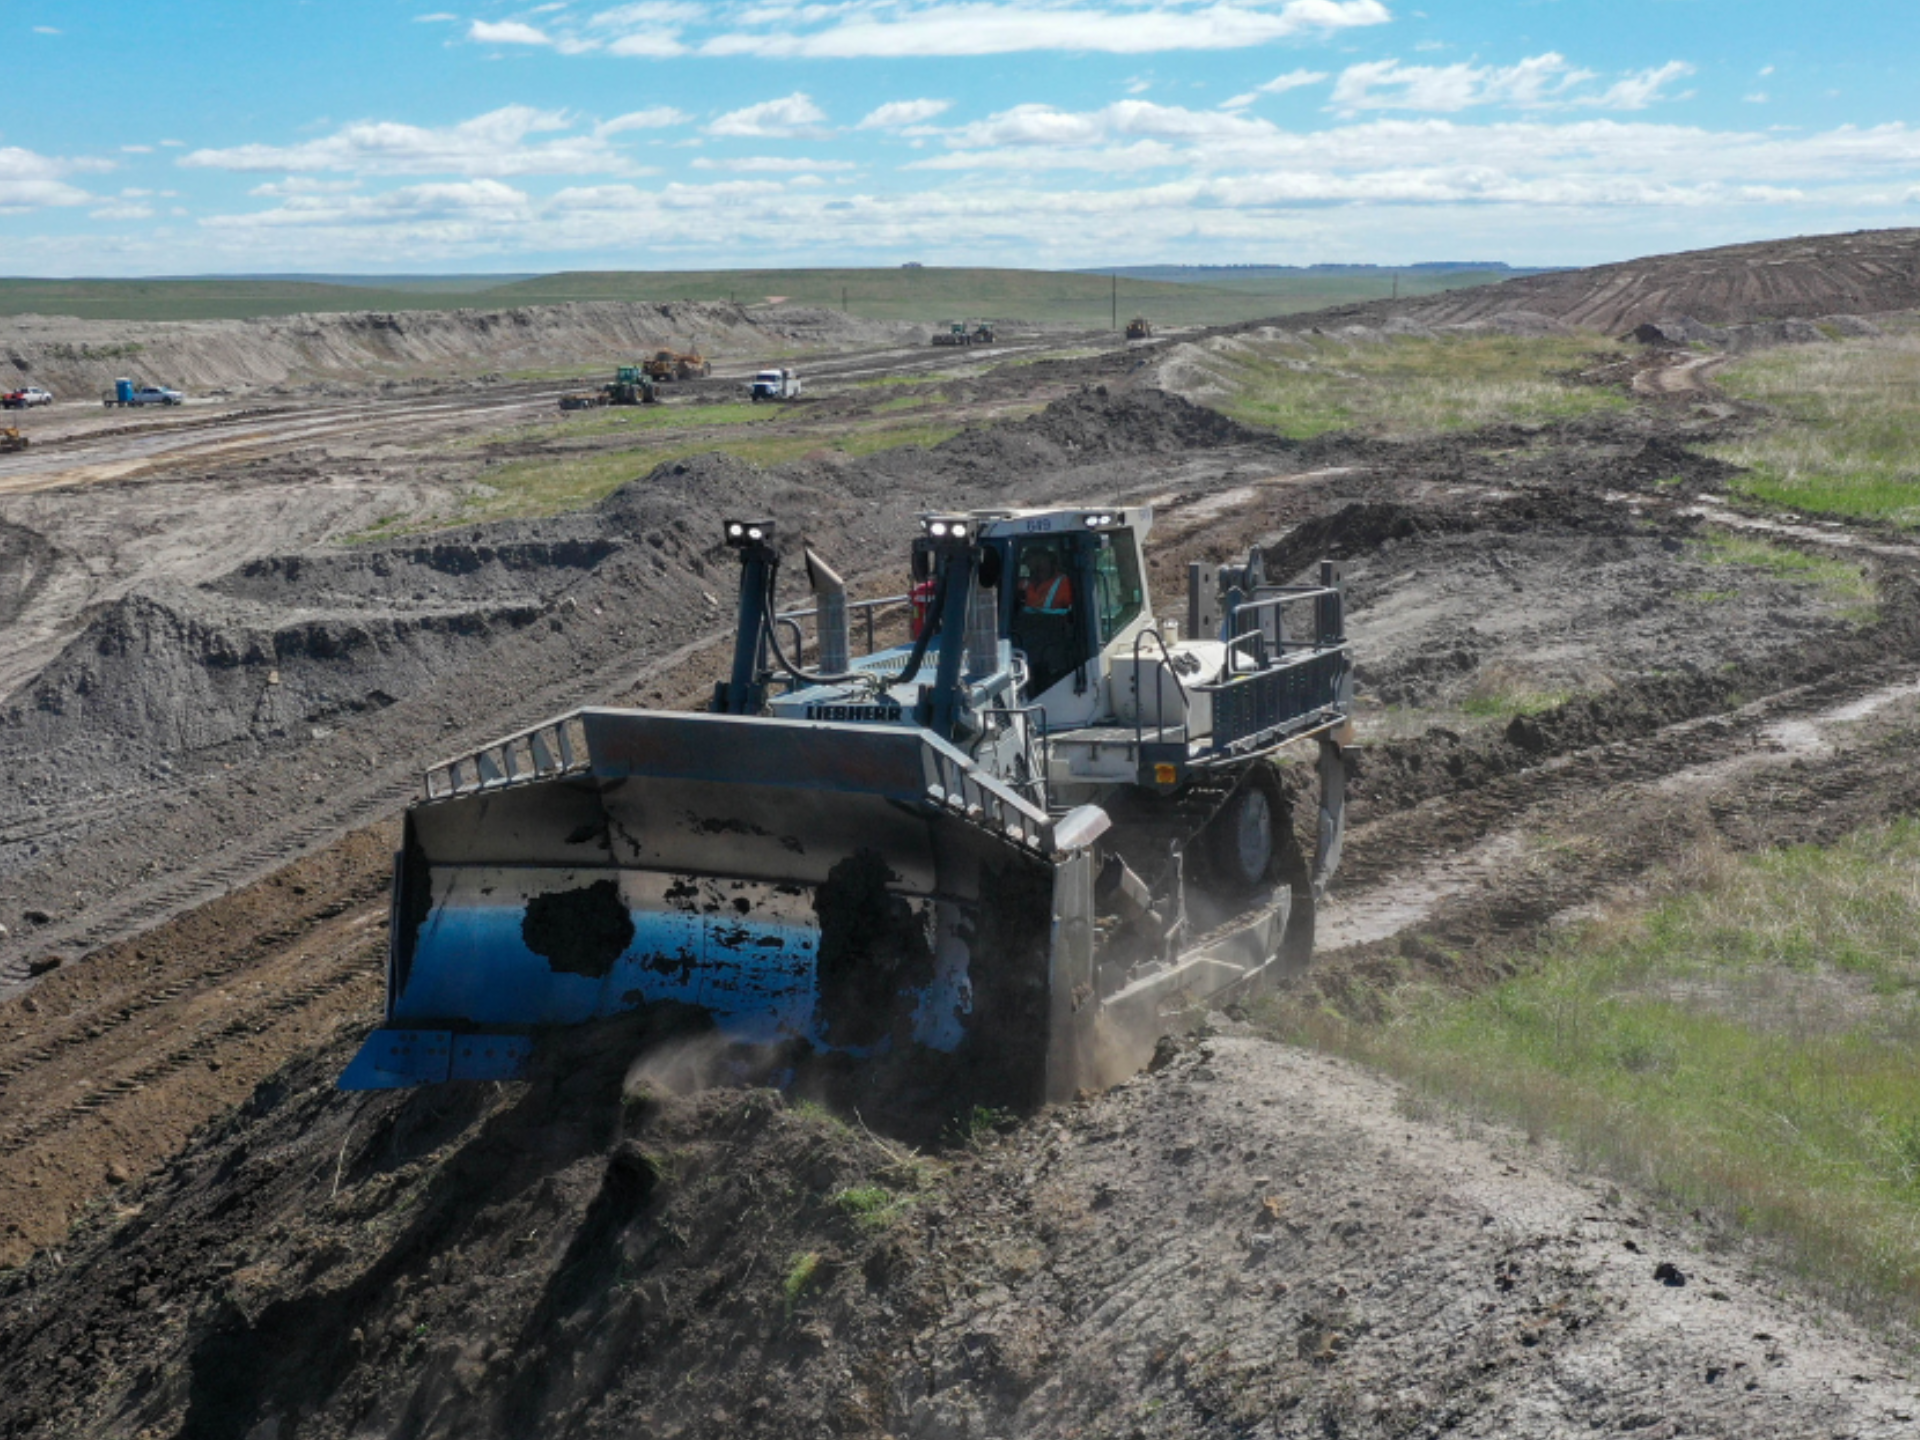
1051 597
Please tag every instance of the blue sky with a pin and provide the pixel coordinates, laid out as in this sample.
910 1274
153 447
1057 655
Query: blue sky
373 137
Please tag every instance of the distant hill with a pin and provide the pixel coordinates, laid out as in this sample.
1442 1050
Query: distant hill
915 293
1864 273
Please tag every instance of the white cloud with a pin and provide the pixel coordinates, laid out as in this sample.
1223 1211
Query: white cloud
496 143
1765 70
791 116
435 18
648 44
984 27
123 210
1636 92
45 30
507 32
898 114
652 12
1758 97
658 118
30 181
1540 82
460 206
1043 125
303 185
773 165
136 149
1279 85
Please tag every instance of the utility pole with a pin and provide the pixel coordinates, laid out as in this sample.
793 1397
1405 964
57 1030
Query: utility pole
1396 284
1116 299
843 297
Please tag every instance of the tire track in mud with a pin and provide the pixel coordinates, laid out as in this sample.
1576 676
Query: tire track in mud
1469 853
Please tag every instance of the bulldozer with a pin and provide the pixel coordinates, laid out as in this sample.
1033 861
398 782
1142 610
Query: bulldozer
11 439
990 864
1139 328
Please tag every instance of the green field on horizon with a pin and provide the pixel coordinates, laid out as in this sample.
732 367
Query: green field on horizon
926 295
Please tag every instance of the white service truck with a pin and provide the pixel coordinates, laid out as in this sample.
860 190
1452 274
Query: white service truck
775 385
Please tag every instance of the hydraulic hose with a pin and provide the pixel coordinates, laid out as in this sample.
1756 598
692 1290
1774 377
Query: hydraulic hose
805 677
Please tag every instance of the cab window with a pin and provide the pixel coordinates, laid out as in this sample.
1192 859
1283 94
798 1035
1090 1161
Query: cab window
1117 594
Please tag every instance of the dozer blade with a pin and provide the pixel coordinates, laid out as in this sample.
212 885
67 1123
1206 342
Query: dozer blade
837 889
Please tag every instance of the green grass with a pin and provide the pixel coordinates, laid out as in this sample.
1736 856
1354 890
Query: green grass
940 294
1842 440
1504 703
1303 386
802 1271
617 419
1847 585
872 1207
1745 1046
930 295
548 485
213 299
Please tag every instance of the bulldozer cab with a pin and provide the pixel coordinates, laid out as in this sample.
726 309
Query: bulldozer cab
1076 593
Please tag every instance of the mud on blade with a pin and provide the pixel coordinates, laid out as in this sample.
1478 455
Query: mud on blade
840 889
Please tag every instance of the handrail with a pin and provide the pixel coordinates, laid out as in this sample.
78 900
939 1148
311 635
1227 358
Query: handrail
1166 668
1274 599
547 749
871 607
1046 741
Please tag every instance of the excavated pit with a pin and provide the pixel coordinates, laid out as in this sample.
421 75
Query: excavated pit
1251 1242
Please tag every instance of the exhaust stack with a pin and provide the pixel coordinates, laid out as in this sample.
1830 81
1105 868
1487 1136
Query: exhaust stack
836 631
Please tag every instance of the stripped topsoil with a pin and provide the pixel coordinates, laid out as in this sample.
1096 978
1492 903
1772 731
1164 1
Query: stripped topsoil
1248 1241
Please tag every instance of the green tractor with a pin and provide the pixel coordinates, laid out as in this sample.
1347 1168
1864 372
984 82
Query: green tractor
631 386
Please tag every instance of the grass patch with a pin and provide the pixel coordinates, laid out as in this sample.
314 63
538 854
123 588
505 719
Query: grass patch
1505 704
1841 442
802 1273
1848 586
872 1207
1745 1046
1303 386
616 419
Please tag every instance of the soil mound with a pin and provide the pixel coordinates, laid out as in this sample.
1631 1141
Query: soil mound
169 674
1686 332
1817 277
1094 425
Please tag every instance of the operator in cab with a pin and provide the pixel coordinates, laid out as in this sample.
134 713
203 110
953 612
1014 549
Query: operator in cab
1047 591
1043 627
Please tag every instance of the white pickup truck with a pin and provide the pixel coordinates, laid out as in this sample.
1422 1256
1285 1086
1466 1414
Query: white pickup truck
125 392
775 385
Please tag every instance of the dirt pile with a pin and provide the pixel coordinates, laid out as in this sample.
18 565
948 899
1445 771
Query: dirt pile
1868 272
77 358
1686 332
1091 426
1252 1241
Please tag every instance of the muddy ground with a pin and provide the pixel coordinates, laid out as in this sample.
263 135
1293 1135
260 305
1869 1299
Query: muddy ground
1250 1241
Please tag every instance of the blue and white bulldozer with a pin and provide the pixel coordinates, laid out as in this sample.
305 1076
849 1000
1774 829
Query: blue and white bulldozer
998 860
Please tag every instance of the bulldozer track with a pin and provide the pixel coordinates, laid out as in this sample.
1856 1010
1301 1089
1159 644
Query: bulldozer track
203 1046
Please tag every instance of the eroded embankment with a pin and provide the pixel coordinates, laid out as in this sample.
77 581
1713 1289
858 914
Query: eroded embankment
79 358
1251 1242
